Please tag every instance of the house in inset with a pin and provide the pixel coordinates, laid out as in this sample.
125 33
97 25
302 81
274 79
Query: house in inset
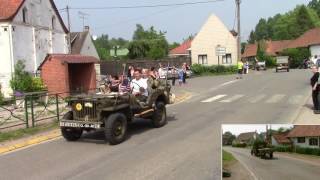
29 30
212 36
67 74
247 138
181 51
305 136
280 139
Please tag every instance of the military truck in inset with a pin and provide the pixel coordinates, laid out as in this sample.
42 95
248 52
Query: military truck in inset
112 112
262 149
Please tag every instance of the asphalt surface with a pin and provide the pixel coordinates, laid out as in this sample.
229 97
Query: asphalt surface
188 147
279 168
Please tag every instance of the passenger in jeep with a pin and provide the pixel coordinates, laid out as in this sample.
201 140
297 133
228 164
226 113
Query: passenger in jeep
139 86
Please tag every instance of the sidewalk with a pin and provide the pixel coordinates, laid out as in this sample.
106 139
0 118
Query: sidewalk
306 115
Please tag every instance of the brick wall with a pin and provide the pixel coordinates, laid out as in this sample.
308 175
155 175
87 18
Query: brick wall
55 76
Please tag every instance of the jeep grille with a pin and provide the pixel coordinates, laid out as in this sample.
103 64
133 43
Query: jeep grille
88 111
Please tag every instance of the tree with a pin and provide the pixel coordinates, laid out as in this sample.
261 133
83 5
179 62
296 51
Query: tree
228 138
148 44
315 5
103 45
173 45
243 47
303 21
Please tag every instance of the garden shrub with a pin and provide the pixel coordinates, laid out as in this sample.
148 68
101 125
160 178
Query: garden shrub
239 145
199 69
282 148
22 81
309 151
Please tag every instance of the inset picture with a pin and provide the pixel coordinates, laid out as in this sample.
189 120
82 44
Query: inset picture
270 151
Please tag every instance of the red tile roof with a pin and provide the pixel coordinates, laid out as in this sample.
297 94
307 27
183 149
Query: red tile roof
311 37
250 50
9 9
272 48
71 59
182 49
305 131
281 138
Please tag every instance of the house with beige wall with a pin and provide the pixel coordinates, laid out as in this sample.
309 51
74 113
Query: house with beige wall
213 34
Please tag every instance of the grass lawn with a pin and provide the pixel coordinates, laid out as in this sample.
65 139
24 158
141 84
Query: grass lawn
227 159
16 134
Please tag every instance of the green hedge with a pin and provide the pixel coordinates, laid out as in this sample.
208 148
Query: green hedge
282 148
299 150
239 145
199 69
309 151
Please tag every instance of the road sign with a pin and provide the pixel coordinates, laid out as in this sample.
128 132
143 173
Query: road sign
221 51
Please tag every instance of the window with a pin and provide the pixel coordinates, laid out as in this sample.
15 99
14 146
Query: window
301 139
202 59
24 15
227 59
313 141
53 22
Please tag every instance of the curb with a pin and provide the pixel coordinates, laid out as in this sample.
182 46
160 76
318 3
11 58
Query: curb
33 141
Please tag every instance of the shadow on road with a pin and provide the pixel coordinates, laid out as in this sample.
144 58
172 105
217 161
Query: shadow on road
138 126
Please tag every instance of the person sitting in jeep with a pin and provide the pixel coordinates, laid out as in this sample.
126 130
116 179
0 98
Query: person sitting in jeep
139 86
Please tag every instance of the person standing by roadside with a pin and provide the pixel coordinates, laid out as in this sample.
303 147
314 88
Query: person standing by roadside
184 69
315 89
180 75
173 73
161 72
240 69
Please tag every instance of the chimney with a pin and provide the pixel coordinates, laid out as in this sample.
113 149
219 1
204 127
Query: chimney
86 28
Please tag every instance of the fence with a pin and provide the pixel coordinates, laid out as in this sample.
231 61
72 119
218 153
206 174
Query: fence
31 109
116 67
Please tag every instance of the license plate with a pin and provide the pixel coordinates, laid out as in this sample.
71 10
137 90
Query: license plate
79 125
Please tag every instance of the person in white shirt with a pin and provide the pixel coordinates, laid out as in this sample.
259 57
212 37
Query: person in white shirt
161 72
139 85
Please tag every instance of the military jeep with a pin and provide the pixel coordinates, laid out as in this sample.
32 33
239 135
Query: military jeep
112 112
262 149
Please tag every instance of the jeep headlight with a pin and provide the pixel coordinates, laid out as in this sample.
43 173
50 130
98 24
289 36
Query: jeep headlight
78 106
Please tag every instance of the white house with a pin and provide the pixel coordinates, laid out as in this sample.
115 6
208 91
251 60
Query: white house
214 34
29 30
305 136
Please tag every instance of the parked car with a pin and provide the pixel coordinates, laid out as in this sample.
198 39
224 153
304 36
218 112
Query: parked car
282 63
261 66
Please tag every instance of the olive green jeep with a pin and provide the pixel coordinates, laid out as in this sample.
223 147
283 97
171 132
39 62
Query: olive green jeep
112 112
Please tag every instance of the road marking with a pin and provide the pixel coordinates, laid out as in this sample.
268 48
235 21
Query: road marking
224 84
214 98
295 100
257 98
233 98
275 98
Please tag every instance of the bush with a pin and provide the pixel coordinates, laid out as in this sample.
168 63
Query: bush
297 55
283 148
23 81
239 145
199 69
309 151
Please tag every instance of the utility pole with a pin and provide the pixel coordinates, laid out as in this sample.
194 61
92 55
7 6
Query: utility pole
83 16
69 29
238 2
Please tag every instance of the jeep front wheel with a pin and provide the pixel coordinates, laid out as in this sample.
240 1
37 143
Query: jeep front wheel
115 128
71 134
159 117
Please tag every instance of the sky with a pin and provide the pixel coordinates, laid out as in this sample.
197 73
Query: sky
178 22
242 128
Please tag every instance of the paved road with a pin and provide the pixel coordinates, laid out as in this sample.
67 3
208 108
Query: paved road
279 168
188 147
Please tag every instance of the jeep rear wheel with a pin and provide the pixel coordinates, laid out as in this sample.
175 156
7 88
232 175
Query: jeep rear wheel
159 117
115 128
